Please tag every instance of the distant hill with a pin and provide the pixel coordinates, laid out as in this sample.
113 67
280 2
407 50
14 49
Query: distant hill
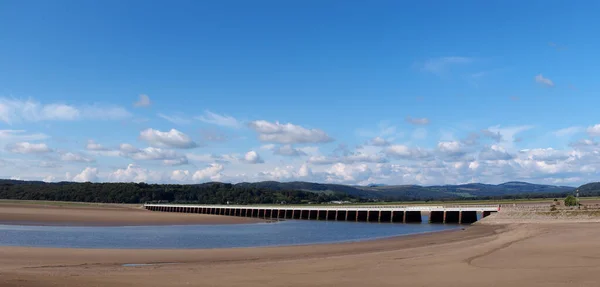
416 192
270 191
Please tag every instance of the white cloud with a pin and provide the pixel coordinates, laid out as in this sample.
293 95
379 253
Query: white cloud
545 154
75 157
545 81
28 148
344 173
506 135
252 157
213 173
20 135
594 131
143 101
93 146
16 110
220 120
180 175
288 133
134 173
89 174
566 132
405 152
149 153
288 150
170 139
49 178
417 121
379 141
494 152
176 162
178 120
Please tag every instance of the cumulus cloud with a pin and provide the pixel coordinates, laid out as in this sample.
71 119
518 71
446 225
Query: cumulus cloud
405 152
220 120
170 139
417 121
496 136
212 173
176 162
379 141
252 157
89 174
544 81
594 130
451 150
287 150
134 173
544 154
143 101
288 133
93 146
494 152
149 153
17 110
28 148
75 157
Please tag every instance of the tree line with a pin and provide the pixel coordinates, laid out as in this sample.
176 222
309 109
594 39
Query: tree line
208 193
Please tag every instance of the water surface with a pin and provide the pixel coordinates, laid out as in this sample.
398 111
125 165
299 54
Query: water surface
292 232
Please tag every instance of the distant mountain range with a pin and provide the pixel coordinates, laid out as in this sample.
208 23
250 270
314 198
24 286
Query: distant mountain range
397 192
417 192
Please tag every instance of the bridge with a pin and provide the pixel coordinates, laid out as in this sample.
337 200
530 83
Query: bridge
360 213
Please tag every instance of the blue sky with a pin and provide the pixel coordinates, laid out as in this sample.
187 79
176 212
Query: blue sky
328 91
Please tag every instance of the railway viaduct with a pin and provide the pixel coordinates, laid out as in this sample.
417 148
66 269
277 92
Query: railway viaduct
465 214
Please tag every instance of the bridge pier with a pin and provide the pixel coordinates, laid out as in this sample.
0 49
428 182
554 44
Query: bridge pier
331 215
362 216
385 216
397 216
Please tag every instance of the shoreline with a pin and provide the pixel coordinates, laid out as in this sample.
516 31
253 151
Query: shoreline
105 216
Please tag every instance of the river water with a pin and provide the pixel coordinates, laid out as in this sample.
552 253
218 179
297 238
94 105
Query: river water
291 232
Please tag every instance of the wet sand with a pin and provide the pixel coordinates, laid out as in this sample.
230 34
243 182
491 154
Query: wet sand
481 255
105 215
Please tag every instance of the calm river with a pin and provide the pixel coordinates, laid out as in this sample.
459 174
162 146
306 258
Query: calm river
292 232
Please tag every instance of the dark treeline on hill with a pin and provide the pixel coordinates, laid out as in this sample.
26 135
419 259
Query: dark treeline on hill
270 192
207 193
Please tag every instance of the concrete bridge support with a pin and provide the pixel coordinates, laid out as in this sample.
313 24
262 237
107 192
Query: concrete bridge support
385 216
331 215
322 214
373 216
397 216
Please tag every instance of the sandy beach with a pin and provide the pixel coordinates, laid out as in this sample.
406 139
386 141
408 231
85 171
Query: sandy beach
485 254
104 215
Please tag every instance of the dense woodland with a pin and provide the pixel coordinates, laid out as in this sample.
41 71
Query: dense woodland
269 192
209 193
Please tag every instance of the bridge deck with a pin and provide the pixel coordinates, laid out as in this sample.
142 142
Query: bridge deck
479 208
